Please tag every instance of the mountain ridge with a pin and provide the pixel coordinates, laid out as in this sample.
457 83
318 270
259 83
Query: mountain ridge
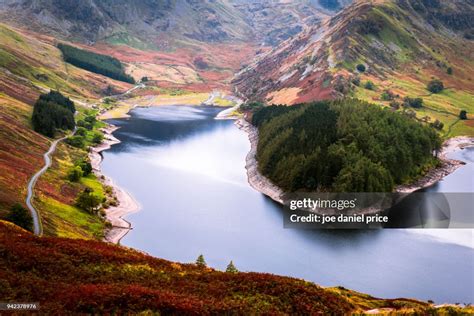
401 50
160 21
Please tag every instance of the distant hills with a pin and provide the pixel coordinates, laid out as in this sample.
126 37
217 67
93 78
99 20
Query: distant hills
154 23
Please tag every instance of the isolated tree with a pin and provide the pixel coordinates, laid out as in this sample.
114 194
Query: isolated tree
86 167
75 174
88 201
435 86
413 102
231 268
449 71
463 115
200 262
20 216
361 68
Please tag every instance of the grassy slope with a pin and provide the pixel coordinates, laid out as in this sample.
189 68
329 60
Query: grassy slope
76 276
419 57
21 151
24 74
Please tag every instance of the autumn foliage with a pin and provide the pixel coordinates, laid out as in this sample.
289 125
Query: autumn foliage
68 276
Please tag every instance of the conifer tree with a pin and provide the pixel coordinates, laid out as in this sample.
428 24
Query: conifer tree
231 268
200 262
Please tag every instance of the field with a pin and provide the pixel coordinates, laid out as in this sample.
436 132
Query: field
444 106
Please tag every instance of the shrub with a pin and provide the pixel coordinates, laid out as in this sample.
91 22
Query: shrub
437 125
20 216
97 137
387 95
369 85
395 105
90 119
449 71
86 167
463 115
88 201
86 125
81 131
435 86
75 174
355 81
361 68
75 141
413 102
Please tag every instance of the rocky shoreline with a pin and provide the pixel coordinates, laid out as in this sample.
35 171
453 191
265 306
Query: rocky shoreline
448 165
126 203
256 180
265 186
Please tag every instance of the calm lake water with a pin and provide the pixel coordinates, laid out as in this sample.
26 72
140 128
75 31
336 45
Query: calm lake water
187 171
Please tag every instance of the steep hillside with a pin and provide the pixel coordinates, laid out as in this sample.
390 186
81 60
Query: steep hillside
166 24
128 21
72 276
30 66
400 46
197 45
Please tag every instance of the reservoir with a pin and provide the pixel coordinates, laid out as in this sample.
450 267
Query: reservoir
187 171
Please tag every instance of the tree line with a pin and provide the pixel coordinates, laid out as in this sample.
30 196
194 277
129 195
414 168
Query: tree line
344 146
100 64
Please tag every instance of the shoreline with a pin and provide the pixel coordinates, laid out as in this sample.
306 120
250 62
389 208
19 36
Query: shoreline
262 184
256 180
126 204
448 165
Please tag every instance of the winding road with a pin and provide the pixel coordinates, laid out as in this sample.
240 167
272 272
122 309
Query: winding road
37 227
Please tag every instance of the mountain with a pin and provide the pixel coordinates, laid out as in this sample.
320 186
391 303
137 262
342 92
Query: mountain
155 23
401 45
128 21
276 21
175 43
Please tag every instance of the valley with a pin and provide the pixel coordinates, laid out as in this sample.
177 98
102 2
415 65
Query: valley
189 115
